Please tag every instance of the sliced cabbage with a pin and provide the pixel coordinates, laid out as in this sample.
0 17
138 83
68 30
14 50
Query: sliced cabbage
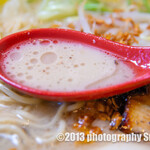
145 35
56 9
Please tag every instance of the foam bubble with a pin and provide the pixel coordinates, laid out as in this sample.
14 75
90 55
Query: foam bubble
48 58
20 74
8 73
12 76
12 67
70 79
30 68
35 52
15 56
76 66
33 60
82 64
29 77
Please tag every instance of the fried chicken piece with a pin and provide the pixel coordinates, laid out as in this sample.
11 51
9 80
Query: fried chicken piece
137 115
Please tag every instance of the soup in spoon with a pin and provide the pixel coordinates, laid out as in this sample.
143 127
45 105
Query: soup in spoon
58 65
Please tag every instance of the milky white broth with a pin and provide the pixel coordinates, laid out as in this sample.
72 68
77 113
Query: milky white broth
57 65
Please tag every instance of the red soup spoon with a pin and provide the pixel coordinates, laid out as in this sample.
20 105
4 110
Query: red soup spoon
138 58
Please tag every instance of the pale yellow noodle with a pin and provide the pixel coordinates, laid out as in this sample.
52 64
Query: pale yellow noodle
50 137
17 97
55 126
75 106
16 130
27 115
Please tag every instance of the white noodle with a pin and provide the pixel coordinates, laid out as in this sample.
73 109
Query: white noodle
14 129
136 16
32 122
75 106
17 97
52 137
83 20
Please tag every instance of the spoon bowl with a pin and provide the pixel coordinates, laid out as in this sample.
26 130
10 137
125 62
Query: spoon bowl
138 58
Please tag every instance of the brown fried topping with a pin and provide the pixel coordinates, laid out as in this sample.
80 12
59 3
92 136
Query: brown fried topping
134 29
117 10
103 116
120 37
102 110
71 26
126 34
128 37
115 121
148 27
92 19
55 26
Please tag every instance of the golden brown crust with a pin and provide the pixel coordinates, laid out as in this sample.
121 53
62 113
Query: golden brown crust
116 120
137 115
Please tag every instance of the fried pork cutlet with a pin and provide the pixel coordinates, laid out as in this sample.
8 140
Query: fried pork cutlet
129 112
137 115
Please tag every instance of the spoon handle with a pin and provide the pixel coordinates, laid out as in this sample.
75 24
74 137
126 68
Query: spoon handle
136 54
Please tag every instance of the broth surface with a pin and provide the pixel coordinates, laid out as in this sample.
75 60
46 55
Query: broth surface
56 65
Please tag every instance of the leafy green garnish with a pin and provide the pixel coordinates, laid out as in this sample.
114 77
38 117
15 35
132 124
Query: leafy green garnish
142 5
96 7
147 5
30 1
